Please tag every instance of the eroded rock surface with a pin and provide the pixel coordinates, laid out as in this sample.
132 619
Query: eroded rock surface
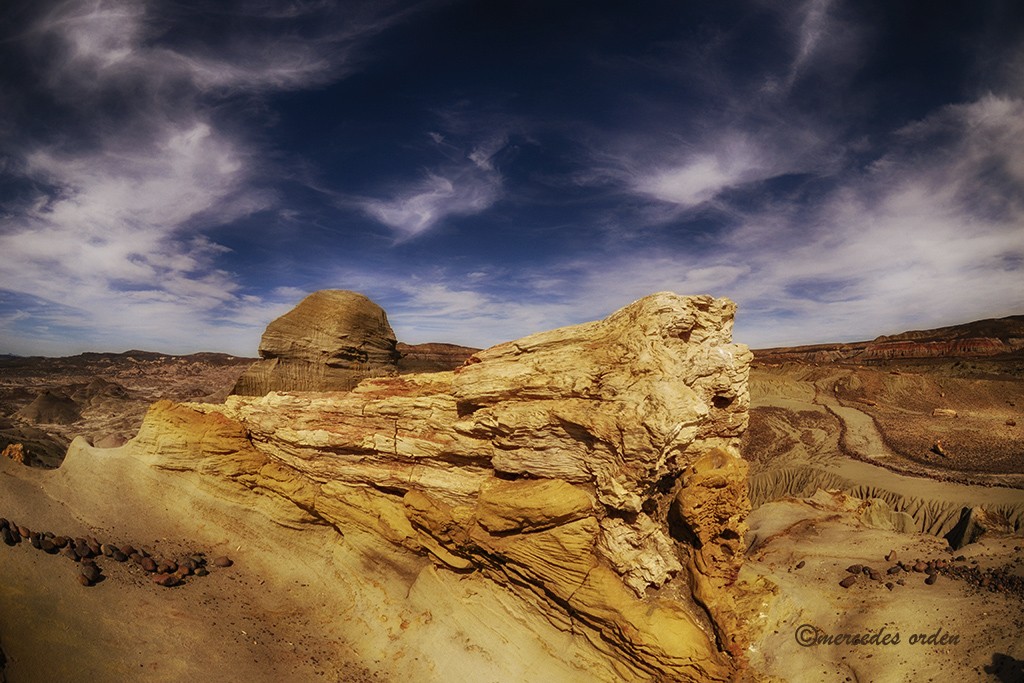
592 470
329 342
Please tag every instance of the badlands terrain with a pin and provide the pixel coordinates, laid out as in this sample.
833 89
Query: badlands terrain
637 498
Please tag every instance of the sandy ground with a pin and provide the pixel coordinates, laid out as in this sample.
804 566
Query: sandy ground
984 629
303 606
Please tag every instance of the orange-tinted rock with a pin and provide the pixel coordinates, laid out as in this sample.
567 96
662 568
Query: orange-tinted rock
329 342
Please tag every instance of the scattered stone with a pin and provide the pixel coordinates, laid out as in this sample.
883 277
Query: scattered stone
166 580
118 556
874 575
148 564
919 566
800 564
855 568
894 570
91 572
848 581
84 580
166 567
931 579
202 572
223 561
889 585
938 449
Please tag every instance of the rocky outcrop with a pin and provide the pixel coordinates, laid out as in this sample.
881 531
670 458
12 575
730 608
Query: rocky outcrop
592 470
329 342
52 407
17 453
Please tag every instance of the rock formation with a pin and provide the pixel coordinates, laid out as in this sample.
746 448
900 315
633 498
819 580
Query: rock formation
329 342
17 453
592 470
979 339
52 407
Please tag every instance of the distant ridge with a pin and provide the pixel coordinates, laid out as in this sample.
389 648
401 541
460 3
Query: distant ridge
989 338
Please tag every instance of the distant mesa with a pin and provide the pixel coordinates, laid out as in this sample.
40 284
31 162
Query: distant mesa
329 342
52 407
432 357
994 337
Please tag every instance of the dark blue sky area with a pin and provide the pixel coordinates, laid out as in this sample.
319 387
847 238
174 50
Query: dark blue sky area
174 175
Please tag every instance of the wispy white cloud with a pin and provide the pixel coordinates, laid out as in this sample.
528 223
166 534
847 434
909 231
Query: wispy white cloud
931 234
465 183
113 244
698 177
417 207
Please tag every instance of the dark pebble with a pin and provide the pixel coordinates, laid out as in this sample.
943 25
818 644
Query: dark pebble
889 585
874 575
223 561
84 580
118 556
48 546
848 581
148 564
60 541
202 571
91 572
920 566
107 550
855 568
23 531
127 549
931 579
166 567
895 569
800 564
166 580
8 536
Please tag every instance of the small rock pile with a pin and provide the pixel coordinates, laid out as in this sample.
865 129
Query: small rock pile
87 551
995 580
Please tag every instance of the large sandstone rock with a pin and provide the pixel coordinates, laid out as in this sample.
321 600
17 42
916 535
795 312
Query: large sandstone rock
593 471
329 342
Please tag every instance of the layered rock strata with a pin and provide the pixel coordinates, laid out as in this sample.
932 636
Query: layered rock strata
592 470
329 342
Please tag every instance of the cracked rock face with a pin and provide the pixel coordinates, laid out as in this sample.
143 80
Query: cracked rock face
592 470
329 342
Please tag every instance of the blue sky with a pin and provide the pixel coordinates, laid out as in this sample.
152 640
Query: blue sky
174 175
